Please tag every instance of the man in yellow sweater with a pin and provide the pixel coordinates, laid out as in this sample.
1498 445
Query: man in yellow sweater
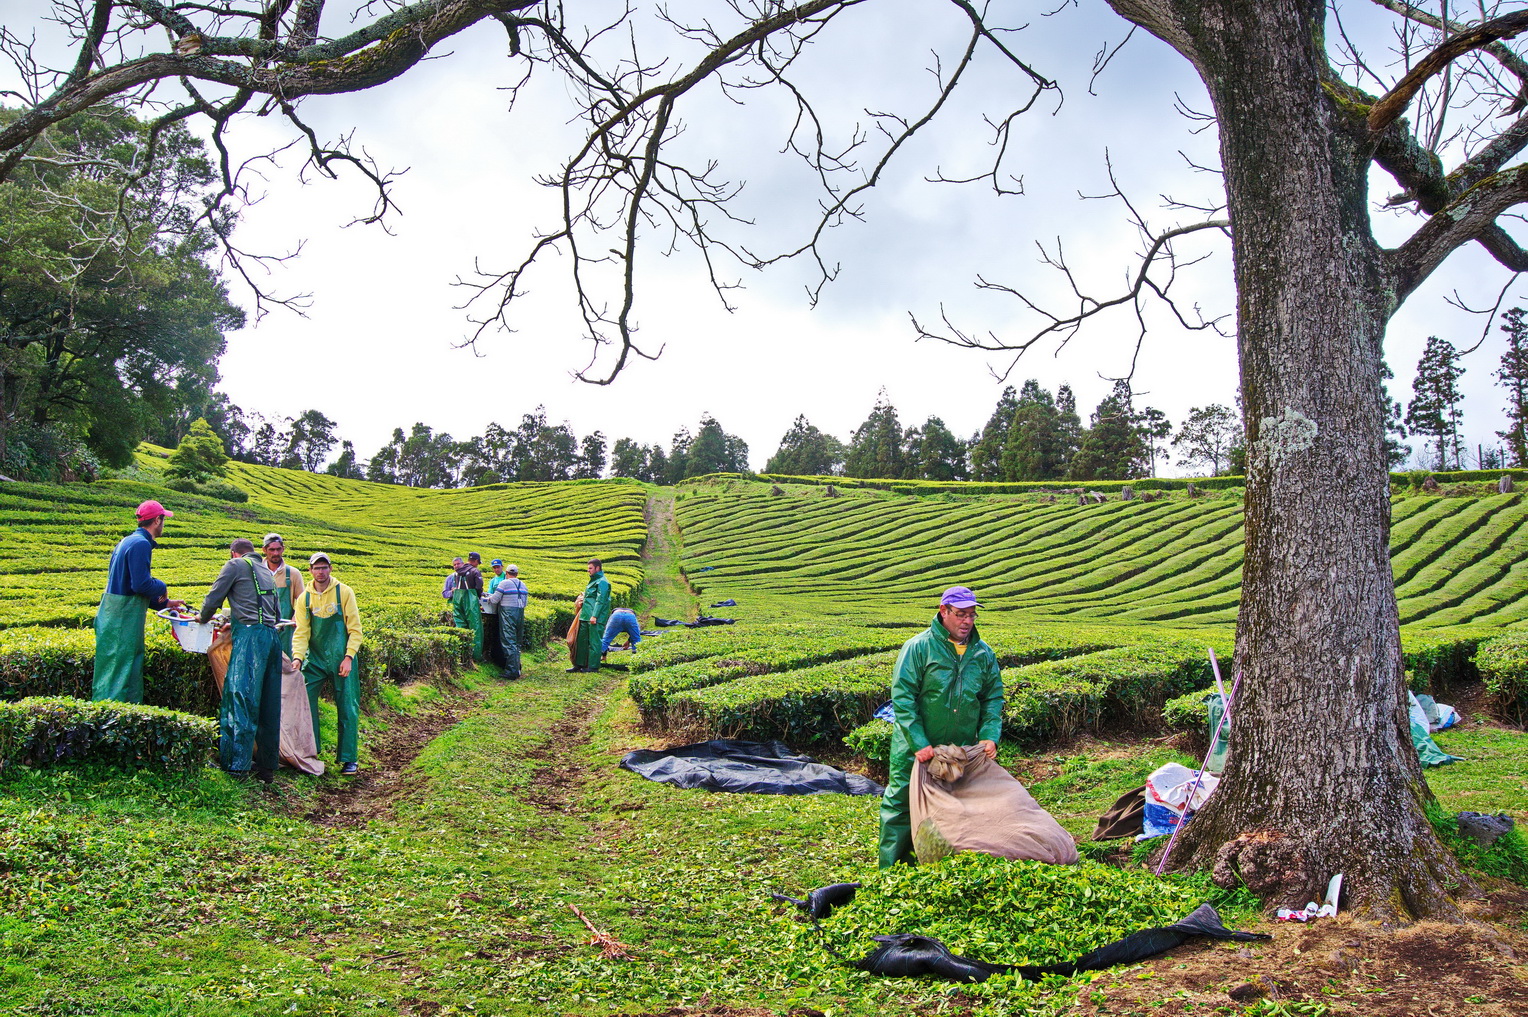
325 644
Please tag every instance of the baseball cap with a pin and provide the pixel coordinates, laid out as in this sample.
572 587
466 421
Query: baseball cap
497 561
319 556
152 510
270 537
512 568
474 556
958 596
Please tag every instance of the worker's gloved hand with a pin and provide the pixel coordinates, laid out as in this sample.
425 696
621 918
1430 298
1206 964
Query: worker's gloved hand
924 754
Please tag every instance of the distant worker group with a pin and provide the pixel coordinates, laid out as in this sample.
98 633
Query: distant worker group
273 617
278 622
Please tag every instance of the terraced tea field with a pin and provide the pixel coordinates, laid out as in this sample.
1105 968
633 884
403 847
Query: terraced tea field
393 543
1176 561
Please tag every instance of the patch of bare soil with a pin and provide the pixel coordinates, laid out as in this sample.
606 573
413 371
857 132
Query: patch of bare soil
1350 966
373 793
555 784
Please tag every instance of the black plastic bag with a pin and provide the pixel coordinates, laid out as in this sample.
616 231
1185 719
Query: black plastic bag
760 768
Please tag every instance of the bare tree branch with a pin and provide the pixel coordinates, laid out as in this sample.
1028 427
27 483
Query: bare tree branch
1393 104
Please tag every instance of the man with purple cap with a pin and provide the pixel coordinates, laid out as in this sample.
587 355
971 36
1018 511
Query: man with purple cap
945 690
131 591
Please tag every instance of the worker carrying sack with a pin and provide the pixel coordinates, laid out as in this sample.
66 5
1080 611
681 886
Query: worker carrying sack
963 801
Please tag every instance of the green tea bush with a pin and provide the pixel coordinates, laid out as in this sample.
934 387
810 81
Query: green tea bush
1003 911
1440 661
813 704
871 740
1058 699
1503 663
61 662
55 731
218 490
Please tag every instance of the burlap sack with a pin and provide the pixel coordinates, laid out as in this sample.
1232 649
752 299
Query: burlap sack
985 810
297 748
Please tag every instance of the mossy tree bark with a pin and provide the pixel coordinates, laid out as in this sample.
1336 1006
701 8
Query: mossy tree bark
1324 778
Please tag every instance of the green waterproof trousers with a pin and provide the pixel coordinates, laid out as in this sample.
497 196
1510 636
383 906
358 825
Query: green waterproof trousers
119 625
586 651
326 651
511 632
466 614
249 720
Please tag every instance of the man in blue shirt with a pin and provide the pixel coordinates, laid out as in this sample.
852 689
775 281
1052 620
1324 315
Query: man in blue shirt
131 592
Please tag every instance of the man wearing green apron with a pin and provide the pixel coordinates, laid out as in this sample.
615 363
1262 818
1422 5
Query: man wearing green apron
325 645
593 615
509 596
945 690
131 592
288 583
249 719
465 596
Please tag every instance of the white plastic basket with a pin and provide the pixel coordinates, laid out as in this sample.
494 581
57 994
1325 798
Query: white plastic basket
193 636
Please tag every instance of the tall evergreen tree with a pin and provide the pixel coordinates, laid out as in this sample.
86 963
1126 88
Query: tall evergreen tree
628 459
1114 447
200 454
1154 427
1435 410
876 450
987 451
1035 447
806 452
1069 424
591 457
937 453
1396 449
1513 375
309 438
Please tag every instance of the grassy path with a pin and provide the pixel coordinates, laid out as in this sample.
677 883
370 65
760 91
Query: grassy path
666 591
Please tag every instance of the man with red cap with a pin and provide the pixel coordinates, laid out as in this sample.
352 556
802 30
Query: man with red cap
946 690
131 592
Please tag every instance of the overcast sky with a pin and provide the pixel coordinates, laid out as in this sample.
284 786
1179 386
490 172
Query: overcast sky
379 347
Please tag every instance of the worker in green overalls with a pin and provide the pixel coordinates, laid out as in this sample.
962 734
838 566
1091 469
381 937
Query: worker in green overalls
593 614
325 645
288 583
466 610
946 689
131 591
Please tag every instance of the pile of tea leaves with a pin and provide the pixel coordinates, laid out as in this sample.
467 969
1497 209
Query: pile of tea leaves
1012 912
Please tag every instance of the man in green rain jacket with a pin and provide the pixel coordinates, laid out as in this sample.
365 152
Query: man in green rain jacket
288 583
326 642
946 690
466 597
131 591
593 614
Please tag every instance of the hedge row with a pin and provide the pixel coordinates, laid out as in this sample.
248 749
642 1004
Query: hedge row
61 662
1126 686
1434 661
52 731
813 704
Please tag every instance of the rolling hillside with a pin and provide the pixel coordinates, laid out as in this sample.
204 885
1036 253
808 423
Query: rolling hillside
1176 561
395 544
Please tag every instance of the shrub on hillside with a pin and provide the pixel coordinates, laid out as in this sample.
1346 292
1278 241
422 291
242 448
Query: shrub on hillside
1503 663
55 731
218 490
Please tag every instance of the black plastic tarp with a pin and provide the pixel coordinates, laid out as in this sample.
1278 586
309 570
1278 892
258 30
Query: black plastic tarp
757 768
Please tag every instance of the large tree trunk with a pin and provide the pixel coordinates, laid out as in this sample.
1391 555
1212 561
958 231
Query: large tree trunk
1323 778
